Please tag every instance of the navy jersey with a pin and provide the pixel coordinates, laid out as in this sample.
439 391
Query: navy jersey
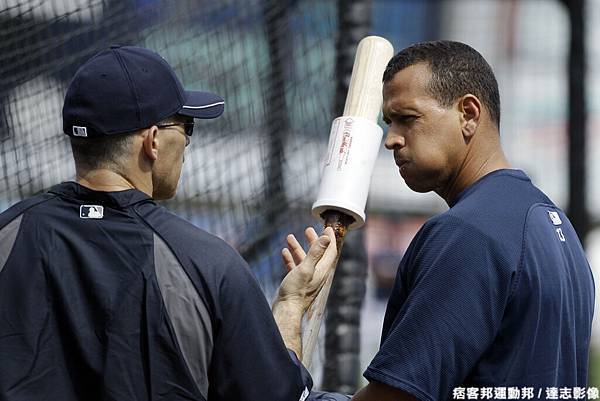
495 292
108 296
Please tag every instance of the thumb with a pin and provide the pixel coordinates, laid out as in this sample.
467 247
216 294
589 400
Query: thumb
316 251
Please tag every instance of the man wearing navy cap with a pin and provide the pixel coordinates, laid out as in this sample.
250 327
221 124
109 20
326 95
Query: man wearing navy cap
105 295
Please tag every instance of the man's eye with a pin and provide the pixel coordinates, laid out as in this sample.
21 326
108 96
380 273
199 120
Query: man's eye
401 119
407 118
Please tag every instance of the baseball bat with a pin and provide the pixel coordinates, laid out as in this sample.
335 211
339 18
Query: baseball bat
354 141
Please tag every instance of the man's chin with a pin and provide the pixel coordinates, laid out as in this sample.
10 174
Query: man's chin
418 186
164 194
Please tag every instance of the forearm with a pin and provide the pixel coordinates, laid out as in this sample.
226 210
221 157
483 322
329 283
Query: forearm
375 391
289 321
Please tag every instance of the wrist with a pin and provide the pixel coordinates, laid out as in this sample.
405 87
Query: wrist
288 317
292 310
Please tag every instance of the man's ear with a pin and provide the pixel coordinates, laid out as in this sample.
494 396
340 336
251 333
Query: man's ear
470 108
150 142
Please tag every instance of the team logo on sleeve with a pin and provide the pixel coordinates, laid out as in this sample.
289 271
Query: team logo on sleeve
304 394
91 212
555 218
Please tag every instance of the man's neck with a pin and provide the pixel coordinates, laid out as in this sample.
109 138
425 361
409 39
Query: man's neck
110 181
475 165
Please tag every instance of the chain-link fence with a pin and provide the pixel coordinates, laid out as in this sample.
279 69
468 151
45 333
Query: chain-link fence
251 175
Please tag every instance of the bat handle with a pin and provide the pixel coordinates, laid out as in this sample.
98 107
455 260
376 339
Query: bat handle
339 222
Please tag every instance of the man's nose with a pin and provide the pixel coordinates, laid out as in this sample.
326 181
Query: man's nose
393 139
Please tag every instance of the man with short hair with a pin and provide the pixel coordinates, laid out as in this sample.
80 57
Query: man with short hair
105 295
494 294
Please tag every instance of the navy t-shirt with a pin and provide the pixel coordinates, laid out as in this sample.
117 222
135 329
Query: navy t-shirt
495 292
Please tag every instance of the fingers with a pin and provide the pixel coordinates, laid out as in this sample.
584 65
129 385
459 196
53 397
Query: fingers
294 254
330 233
328 261
311 235
288 259
296 250
316 251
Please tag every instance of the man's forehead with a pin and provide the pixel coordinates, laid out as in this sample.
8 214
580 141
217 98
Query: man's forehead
408 84
412 78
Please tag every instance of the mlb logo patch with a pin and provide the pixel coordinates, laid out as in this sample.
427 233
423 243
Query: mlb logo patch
555 218
91 212
304 394
79 131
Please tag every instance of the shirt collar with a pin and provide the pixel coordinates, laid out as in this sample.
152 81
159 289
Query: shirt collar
120 199
519 174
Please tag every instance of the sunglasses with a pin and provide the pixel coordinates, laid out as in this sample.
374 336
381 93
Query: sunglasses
187 127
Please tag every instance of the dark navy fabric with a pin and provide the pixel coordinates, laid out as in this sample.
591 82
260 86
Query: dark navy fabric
324 396
82 318
495 292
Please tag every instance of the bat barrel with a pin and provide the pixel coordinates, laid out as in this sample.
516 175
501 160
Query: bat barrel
355 137
365 90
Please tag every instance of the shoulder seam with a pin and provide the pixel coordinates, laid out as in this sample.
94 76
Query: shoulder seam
155 232
204 294
34 204
9 236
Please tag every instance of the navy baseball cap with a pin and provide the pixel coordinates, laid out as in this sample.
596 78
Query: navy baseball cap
127 88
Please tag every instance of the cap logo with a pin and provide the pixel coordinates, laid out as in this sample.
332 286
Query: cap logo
79 131
91 211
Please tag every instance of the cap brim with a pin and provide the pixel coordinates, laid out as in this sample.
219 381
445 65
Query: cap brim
202 105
